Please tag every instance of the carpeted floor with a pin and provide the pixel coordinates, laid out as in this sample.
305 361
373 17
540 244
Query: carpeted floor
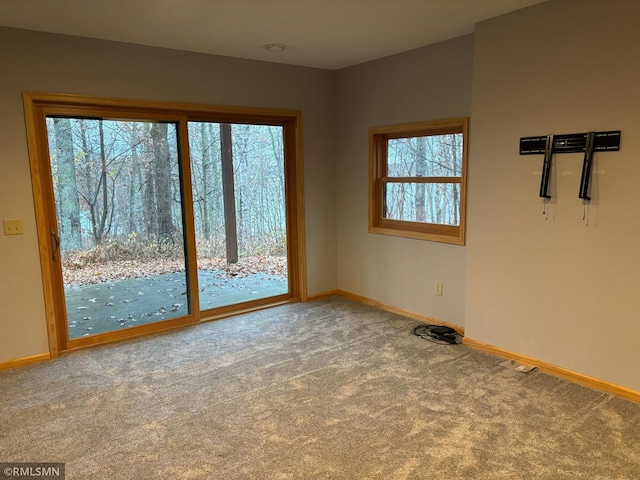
330 389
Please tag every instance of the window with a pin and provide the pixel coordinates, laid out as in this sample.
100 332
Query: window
417 180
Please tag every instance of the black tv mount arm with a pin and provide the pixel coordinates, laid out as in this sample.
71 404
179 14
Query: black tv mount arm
588 143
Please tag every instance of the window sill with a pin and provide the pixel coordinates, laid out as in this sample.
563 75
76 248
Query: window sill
432 237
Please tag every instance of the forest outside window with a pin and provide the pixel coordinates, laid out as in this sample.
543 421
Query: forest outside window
417 180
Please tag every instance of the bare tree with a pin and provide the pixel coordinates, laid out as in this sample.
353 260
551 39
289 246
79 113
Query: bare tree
68 202
162 181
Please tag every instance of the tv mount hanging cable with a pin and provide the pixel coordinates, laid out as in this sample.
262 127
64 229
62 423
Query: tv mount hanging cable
588 143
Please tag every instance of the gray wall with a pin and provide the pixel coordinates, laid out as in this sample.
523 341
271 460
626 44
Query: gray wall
33 61
555 287
429 83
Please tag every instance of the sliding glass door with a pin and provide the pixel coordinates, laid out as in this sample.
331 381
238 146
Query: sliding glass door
149 219
120 224
238 183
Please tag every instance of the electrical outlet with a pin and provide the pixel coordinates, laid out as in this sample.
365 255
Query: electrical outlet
438 289
13 227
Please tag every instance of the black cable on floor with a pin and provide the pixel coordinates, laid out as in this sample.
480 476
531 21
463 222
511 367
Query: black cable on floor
426 332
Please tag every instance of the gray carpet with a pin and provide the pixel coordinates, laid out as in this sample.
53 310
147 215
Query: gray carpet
330 389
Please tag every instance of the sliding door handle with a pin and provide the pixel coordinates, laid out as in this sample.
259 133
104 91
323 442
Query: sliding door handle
55 244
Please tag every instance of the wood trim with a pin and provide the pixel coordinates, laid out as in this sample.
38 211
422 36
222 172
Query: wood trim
41 222
322 295
21 362
211 113
294 185
463 186
226 312
299 218
556 370
400 311
394 232
191 262
248 306
417 129
374 184
426 228
421 179
131 332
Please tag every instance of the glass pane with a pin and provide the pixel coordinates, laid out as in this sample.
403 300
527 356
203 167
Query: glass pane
423 202
427 156
239 210
119 210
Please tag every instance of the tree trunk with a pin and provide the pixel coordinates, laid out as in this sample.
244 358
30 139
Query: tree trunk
162 180
103 182
134 168
456 195
206 164
69 221
228 192
90 193
421 170
149 204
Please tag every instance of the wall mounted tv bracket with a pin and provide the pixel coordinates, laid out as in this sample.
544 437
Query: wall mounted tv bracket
572 143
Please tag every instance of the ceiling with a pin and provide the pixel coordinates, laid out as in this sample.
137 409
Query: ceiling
328 34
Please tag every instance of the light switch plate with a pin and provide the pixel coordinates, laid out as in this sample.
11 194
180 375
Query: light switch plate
13 227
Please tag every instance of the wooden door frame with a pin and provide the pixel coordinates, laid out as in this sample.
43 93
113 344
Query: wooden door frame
38 105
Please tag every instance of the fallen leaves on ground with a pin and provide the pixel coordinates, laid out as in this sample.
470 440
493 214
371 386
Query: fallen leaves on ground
98 272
